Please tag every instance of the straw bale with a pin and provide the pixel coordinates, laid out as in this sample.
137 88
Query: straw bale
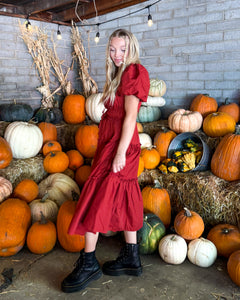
216 200
29 168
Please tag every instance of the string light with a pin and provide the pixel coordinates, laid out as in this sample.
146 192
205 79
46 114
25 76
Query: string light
27 23
150 21
59 35
97 37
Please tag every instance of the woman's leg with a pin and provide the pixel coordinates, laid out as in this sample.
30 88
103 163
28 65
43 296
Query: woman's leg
130 237
90 241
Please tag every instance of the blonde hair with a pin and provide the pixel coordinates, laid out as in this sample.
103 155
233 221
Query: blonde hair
113 73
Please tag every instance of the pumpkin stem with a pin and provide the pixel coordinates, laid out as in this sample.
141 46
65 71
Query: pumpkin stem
226 101
157 184
225 230
43 219
237 130
44 198
75 196
187 212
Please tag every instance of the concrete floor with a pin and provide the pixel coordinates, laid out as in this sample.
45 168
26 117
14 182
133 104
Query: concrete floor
39 277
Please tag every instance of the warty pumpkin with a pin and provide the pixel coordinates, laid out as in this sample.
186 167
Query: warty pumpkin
86 139
15 219
59 187
151 157
188 224
218 124
233 267
225 161
5 153
182 120
226 238
5 188
73 109
156 200
233 109
162 140
41 236
25 139
71 243
204 104
26 189
55 162
51 146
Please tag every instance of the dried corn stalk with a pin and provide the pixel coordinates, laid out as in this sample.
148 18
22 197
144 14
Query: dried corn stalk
89 85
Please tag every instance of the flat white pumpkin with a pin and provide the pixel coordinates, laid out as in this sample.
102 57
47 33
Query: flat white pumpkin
154 101
25 139
94 108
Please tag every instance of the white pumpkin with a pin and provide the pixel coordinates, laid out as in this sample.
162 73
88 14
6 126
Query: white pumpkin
45 205
202 252
157 88
145 140
173 249
25 139
154 101
5 188
59 188
94 108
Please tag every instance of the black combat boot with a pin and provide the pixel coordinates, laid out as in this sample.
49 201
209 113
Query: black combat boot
128 262
86 270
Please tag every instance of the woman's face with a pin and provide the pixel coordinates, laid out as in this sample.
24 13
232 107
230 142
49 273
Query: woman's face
118 50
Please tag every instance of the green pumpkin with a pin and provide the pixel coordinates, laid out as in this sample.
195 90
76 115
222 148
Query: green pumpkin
150 234
15 112
51 115
148 114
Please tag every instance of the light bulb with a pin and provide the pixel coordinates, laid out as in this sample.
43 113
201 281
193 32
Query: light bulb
59 35
150 21
97 37
28 24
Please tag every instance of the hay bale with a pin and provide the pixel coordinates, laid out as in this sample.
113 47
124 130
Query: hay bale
216 200
29 168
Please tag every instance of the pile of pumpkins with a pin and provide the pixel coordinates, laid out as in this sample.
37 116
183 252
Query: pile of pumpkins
221 240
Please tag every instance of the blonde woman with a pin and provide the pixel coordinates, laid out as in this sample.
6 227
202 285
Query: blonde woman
111 198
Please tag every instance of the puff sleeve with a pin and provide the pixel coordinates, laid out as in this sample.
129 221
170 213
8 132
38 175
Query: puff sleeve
135 81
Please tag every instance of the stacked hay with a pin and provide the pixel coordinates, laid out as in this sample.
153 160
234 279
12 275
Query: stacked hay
216 200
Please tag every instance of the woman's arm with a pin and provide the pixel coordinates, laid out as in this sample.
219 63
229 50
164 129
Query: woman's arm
129 123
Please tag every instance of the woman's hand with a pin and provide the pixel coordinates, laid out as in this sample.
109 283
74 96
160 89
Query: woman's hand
119 163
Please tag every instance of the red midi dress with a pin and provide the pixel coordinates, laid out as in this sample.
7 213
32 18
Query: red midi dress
113 201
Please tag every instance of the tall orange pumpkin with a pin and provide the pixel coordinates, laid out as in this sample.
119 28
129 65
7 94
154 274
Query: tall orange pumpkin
156 200
73 109
5 153
233 109
49 131
188 224
71 243
204 104
226 238
86 139
162 140
15 219
225 161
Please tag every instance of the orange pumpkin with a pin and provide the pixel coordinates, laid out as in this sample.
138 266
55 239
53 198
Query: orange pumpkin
233 267
140 166
76 159
41 236
139 127
226 238
233 109
86 139
218 124
204 104
156 200
151 157
51 146
73 109
162 140
55 162
26 190
71 243
5 153
15 219
82 174
188 224
49 131
225 161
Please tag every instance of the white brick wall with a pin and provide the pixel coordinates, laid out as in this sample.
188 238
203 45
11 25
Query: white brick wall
194 45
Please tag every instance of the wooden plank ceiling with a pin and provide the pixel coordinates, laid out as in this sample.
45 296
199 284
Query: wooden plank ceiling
61 11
